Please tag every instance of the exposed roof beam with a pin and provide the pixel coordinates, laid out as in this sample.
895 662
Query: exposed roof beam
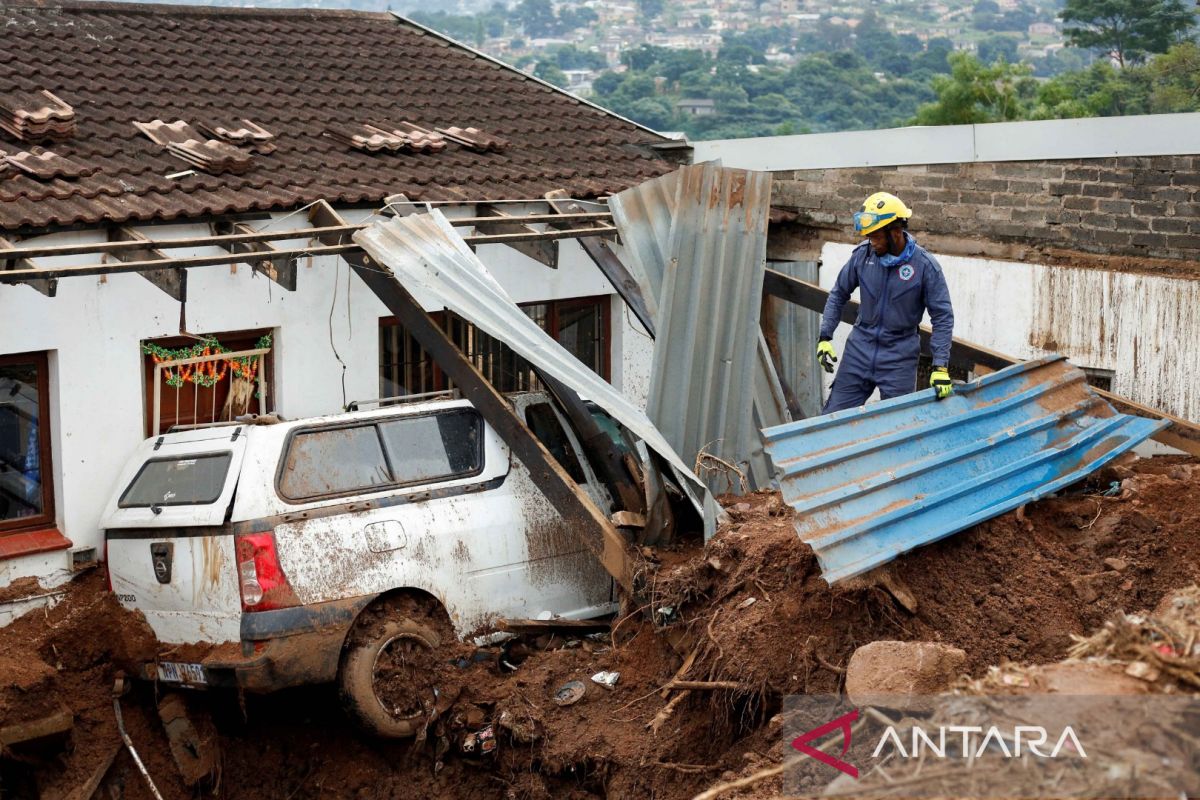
603 256
278 265
171 281
21 275
47 286
13 251
544 251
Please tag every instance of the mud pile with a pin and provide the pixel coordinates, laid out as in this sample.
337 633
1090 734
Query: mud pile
747 611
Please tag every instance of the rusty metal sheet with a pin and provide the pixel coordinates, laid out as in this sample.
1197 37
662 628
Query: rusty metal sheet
696 241
870 483
425 251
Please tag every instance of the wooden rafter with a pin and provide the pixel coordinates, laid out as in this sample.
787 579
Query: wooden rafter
278 265
171 281
544 251
47 286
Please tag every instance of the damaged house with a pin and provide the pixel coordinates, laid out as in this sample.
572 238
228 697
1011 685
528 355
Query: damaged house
124 125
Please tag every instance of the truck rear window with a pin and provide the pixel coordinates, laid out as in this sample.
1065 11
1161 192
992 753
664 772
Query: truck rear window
368 456
179 481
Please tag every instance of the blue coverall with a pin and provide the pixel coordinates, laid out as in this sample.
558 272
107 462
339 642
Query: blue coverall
883 346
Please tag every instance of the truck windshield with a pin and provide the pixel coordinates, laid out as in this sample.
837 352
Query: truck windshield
187 481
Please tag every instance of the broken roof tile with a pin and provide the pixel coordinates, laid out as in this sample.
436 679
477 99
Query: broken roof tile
474 138
46 165
127 61
33 116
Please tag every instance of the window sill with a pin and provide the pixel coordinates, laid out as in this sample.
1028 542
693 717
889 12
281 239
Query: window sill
28 543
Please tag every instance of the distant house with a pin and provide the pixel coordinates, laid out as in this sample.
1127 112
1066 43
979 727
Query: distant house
696 107
1042 29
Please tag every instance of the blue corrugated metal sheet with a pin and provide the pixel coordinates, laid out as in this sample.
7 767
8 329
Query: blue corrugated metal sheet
873 482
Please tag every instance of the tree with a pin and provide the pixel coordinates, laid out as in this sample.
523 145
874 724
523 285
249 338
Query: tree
974 92
1126 30
606 83
537 17
994 48
550 73
1175 80
649 9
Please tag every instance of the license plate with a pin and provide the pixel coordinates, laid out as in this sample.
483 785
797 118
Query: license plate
180 672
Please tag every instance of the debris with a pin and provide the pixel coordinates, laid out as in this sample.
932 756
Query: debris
901 675
129 746
749 601
481 742
709 685
525 730
1142 521
570 693
1143 671
1116 564
606 679
194 754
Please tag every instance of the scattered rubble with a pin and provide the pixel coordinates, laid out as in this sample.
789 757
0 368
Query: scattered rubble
1001 594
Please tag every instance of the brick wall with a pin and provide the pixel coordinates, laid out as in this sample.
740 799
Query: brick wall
1144 206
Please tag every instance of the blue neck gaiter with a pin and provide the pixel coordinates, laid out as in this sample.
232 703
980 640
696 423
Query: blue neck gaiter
889 260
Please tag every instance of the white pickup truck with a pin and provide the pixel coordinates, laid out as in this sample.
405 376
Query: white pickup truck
308 551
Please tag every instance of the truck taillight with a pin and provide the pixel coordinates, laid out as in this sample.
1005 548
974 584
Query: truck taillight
260 576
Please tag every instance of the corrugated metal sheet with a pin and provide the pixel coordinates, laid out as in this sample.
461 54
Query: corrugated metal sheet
697 238
796 330
643 215
425 251
873 482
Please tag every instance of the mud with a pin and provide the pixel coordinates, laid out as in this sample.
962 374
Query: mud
749 608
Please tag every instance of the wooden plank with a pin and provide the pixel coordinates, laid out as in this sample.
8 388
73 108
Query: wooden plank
544 251
53 273
1182 435
50 725
47 286
171 281
278 265
87 789
579 513
608 262
8 251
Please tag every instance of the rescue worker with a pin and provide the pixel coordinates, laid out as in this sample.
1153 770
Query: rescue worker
898 281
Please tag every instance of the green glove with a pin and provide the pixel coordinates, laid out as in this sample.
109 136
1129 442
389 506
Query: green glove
826 355
940 381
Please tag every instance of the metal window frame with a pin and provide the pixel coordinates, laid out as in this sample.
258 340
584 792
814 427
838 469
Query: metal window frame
48 518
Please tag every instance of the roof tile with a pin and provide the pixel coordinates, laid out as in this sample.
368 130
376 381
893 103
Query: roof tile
117 63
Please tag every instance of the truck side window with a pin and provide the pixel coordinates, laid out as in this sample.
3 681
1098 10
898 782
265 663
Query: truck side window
333 461
434 446
546 427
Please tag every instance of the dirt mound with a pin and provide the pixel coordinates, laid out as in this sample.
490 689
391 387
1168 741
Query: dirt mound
748 614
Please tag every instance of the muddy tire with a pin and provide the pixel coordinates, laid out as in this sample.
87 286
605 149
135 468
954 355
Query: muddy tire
391 669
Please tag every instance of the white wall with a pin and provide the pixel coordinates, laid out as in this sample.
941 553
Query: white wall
94 327
1144 328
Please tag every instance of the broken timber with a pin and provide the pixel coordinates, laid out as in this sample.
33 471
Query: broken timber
277 265
603 256
1182 434
171 281
47 286
544 251
584 519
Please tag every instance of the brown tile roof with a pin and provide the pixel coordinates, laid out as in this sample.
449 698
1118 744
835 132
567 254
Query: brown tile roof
296 73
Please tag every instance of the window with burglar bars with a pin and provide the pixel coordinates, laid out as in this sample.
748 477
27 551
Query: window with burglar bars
581 325
200 394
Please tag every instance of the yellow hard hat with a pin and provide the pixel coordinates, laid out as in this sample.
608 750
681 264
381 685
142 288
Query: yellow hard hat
879 210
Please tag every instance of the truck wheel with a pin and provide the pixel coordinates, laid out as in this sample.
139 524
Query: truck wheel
390 674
